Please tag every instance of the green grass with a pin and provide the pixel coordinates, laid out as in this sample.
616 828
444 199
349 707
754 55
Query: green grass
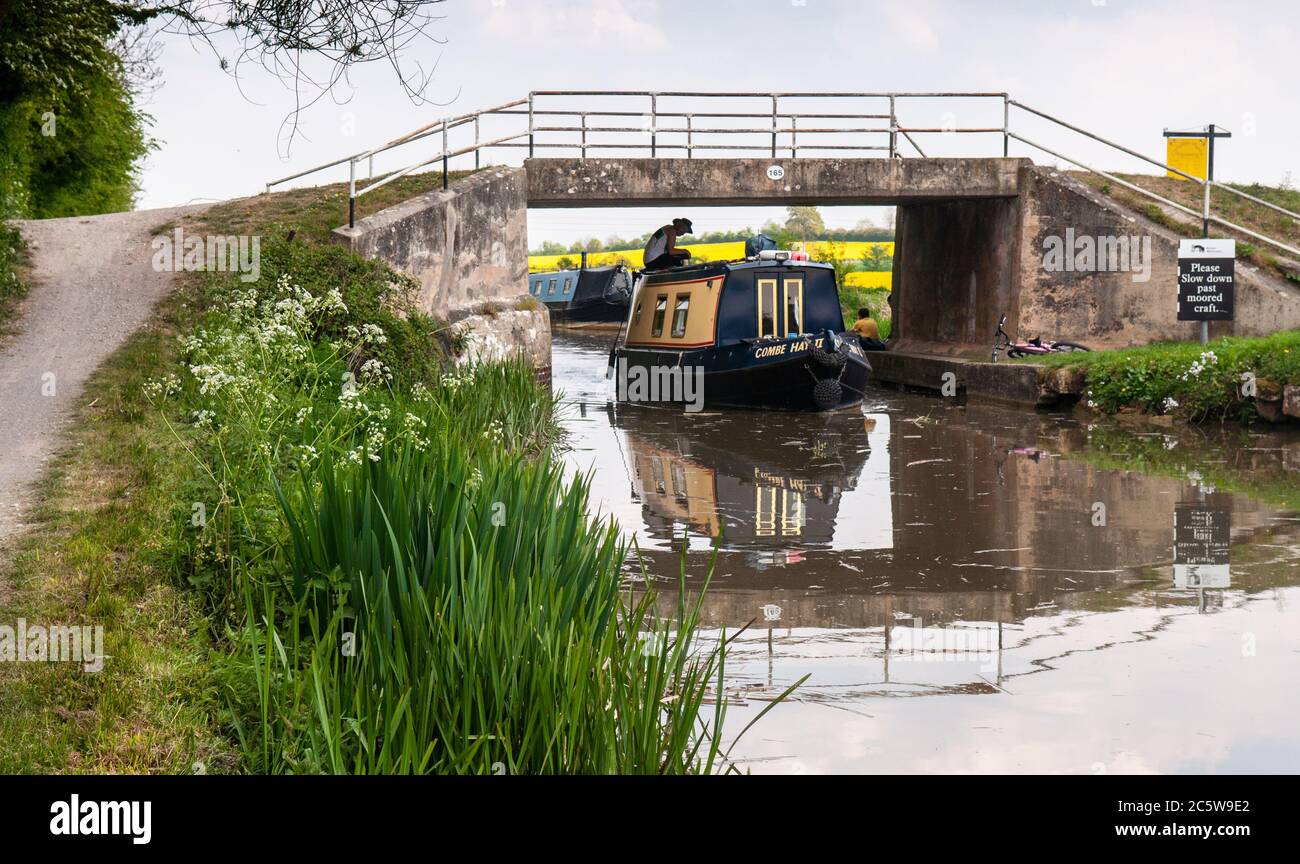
1183 379
853 298
313 212
466 616
99 554
1234 208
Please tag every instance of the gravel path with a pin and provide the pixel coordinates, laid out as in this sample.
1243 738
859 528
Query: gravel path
93 286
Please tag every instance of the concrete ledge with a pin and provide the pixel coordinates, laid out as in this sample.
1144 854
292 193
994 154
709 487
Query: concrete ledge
999 382
564 182
494 335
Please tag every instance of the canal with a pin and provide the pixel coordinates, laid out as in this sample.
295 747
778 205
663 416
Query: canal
967 588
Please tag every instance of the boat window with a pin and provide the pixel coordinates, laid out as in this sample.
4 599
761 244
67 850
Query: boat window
532 286
636 315
771 503
765 511
793 305
793 513
766 308
550 287
567 283
661 308
681 307
679 481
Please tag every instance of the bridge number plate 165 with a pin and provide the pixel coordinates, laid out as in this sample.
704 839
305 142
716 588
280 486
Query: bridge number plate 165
775 172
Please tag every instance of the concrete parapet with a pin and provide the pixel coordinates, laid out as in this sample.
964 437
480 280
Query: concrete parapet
466 245
592 182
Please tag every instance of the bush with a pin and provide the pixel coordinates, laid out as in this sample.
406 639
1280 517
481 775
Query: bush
415 346
70 136
12 257
875 299
278 374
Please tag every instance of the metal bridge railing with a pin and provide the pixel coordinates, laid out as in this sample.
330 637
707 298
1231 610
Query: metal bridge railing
537 123
1206 213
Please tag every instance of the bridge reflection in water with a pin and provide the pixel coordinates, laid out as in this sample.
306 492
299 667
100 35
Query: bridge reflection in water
917 548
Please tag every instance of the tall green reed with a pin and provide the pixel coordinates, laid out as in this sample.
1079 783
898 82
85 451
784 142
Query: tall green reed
467 616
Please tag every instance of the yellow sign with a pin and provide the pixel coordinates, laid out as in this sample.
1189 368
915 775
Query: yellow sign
1189 155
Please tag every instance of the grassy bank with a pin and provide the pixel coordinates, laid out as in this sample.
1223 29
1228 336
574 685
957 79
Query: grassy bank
1219 382
1234 208
313 212
853 298
318 545
100 552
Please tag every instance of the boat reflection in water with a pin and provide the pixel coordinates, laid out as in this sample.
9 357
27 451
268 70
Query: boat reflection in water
887 556
747 481
977 557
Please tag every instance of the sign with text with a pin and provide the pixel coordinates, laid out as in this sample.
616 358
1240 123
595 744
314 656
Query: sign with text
1202 536
1206 274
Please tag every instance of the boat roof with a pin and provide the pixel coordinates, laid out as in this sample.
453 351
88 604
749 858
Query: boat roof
604 268
716 268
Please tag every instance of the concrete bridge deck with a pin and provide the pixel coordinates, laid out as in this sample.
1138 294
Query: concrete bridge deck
565 182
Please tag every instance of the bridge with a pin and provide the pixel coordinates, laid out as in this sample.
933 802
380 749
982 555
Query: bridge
972 219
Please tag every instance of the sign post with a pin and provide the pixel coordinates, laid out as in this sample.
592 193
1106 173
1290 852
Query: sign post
1208 135
1206 281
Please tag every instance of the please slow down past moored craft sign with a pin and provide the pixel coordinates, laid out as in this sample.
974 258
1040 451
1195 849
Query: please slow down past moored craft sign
1202 545
1206 278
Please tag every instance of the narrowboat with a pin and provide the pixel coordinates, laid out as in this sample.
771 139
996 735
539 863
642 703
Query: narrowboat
765 332
587 296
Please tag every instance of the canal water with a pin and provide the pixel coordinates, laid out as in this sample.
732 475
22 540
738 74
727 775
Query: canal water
966 588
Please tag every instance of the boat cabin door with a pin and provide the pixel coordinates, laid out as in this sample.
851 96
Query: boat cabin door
780 304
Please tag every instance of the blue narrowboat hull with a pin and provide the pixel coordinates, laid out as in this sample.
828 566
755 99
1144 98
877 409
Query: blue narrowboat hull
596 312
794 374
596 295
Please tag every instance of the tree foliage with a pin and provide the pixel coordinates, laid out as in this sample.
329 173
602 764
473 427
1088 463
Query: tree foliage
804 223
71 130
70 136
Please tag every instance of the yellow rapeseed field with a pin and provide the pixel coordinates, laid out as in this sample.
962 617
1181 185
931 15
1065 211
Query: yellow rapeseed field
820 250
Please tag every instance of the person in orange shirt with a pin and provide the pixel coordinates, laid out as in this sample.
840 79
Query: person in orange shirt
868 332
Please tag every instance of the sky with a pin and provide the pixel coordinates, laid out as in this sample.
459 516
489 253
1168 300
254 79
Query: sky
1123 70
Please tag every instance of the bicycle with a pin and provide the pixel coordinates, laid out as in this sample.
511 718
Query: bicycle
1037 345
